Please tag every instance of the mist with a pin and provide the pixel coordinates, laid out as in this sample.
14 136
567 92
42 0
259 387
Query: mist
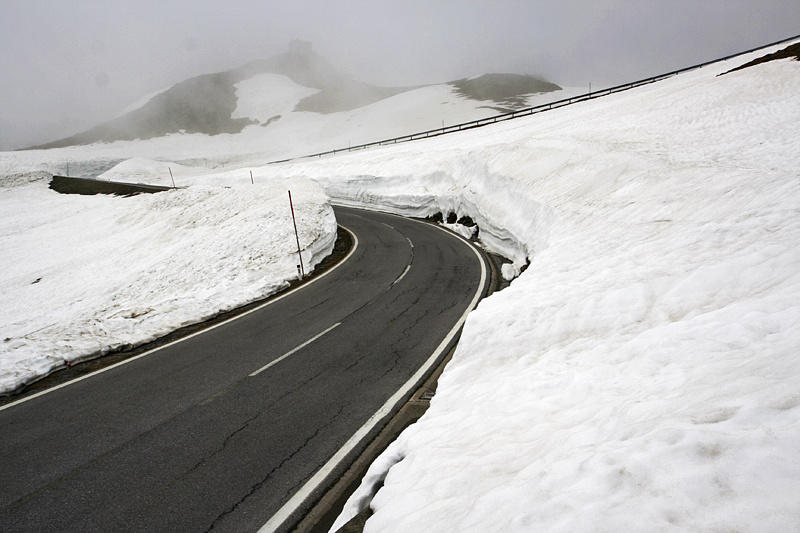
70 65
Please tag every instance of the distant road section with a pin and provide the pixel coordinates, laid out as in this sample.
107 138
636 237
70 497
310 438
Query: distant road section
86 186
218 431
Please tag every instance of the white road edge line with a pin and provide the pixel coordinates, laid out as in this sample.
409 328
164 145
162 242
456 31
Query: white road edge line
305 491
287 354
408 267
126 361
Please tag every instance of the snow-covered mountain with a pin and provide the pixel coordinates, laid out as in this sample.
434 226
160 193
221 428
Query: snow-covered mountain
298 80
290 105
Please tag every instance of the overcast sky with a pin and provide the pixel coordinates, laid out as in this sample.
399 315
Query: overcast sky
67 65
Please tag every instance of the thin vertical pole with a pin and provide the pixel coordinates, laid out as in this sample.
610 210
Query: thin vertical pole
251 178
297 236
173 179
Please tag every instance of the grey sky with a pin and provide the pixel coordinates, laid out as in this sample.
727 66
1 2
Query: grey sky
66 65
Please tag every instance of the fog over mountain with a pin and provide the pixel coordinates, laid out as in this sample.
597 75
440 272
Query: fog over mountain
69 65
207 103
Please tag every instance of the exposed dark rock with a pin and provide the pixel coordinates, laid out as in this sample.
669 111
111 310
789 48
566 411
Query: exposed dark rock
467 221
792 51
507 90
202 104
271 120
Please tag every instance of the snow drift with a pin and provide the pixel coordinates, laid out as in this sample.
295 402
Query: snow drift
641 374
84 275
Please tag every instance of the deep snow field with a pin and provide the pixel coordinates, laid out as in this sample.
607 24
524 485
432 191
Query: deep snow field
87 274
641 374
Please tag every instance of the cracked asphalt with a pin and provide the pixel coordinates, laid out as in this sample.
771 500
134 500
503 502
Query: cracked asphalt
185 439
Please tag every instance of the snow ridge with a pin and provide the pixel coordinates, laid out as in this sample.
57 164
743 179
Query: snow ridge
463 186
641 374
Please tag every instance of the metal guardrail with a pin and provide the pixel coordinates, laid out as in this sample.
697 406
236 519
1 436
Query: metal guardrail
528 111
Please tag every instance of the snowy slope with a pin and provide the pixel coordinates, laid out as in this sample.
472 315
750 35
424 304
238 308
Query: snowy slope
266 96
642 374
290 133
84 275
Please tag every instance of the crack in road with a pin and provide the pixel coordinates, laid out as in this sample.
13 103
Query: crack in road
220 449
285 460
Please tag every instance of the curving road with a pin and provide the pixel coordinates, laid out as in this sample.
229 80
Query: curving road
231 429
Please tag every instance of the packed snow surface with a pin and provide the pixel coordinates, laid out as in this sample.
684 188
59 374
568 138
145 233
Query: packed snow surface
640 375
83 275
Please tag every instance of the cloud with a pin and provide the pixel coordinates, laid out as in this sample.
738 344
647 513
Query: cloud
70 64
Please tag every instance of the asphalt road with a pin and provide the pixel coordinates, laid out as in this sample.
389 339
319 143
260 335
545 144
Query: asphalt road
220 430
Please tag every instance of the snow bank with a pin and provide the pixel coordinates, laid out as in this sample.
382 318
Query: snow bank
412 183
642 374
83 275
148 171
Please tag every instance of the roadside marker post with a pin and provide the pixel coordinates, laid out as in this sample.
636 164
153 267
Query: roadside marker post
297 237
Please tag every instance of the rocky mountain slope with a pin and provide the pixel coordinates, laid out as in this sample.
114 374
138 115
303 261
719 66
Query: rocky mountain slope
206 103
